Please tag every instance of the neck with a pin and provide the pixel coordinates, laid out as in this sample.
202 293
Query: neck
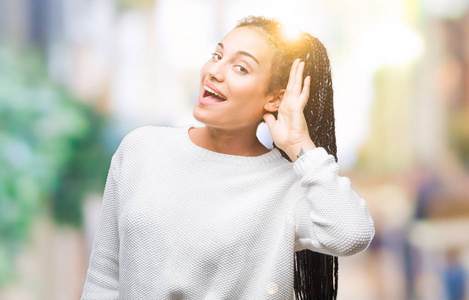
241 142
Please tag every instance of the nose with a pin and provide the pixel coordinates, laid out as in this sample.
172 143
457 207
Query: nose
216 71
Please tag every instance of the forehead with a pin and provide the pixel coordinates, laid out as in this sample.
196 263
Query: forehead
248 40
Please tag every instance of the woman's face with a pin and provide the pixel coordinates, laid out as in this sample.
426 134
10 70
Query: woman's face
238 72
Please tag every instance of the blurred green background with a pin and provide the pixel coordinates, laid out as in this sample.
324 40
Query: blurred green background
76 76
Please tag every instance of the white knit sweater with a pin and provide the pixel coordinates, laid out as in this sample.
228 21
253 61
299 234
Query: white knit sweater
182 222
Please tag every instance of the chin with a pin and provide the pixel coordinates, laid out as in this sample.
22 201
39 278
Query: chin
209 119
201 116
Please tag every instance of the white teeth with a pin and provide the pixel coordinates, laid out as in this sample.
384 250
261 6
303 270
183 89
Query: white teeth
213 92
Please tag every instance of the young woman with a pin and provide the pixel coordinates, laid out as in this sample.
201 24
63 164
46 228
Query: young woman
209 212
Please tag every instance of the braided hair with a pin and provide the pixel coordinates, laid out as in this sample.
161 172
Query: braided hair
316 274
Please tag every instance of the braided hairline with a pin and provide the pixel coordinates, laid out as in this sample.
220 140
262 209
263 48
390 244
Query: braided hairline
284 52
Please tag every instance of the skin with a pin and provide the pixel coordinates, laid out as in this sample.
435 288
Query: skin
241 69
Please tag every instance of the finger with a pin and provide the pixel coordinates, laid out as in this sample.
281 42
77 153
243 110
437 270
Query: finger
291 78
269 120
296 88
305 92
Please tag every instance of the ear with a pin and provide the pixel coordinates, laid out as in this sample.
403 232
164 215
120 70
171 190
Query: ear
274 101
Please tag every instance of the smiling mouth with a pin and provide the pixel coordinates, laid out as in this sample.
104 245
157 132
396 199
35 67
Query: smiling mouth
209 92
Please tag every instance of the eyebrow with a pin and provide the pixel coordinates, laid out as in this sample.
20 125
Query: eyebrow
240 52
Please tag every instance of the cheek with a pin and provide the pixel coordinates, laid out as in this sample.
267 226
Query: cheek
251 93
250 99
203 71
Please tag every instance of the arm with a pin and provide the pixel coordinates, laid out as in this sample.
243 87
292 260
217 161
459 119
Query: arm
102 281
332 218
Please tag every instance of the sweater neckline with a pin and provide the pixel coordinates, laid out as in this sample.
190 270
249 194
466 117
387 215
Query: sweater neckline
271 156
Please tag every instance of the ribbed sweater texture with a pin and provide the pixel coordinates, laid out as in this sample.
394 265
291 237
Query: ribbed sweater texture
181 222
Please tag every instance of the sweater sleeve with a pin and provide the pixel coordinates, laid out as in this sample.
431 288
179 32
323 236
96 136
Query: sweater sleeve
102 281
332 218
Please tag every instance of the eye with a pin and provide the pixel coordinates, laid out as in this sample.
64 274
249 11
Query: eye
216 56
241 69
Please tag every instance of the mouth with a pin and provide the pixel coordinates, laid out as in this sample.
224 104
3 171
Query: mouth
210 95
211 92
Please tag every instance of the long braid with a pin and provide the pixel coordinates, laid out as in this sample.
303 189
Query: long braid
319 111
316 274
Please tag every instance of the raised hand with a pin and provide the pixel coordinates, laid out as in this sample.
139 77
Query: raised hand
290 131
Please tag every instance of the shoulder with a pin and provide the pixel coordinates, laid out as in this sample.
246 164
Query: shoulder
143 143
146 133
